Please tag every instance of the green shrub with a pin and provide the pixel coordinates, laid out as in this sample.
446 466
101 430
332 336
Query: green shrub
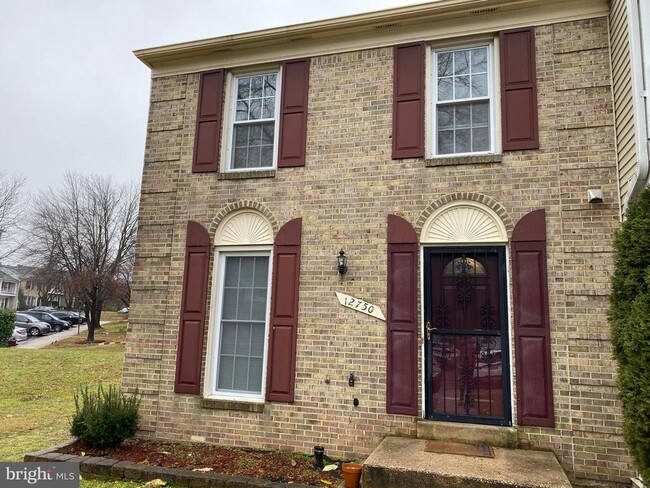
7 318
629 317
106 417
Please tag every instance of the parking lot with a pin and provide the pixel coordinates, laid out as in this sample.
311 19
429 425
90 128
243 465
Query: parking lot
39 342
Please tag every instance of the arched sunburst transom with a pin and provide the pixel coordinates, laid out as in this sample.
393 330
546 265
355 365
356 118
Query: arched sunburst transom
463 222
244 228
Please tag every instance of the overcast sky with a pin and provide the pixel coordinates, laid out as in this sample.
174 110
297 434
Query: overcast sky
72 95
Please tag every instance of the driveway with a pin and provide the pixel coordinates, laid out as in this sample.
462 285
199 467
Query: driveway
42 341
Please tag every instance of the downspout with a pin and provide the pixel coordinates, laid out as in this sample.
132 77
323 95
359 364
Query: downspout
640 57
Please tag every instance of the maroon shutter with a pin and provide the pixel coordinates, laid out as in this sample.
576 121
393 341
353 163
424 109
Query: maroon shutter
293 113
518 89
284 313
532 326
195 294
402 321
408 101
208 122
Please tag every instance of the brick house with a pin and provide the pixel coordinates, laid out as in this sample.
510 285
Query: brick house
449 150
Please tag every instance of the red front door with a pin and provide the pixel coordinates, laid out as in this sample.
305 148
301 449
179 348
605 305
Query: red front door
466 340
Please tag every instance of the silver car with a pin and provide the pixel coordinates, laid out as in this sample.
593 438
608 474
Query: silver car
34 326
20 334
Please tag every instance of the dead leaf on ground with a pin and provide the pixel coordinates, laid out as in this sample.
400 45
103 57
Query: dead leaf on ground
156 482
330 467
203 470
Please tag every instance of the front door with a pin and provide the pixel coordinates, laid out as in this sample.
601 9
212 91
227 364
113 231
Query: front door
466 339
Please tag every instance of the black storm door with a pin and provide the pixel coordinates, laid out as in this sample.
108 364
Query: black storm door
466 339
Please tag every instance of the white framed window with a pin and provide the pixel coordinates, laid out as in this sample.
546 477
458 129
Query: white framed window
253 114
464 103
241 325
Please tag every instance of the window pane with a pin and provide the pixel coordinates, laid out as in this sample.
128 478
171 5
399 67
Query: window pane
259 304
269 85
228 338
479 85
267 156
256 109
231 277
480 114
256 86
268 131
255 375
257 341
445 89
240 377
462 115
463 141
446 117
242 111
241 156
255 135
445 142
243 88
268 111
461 86
479 60
481 139
226 368
230 303
261 272
461 62
254 157
243 340
241 135
445 64
246 272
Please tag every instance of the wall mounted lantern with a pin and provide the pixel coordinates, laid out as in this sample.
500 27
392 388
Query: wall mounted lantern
342 261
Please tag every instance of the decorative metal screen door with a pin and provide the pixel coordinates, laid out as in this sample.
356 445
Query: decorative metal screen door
466 340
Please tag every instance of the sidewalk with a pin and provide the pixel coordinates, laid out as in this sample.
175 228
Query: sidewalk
42 341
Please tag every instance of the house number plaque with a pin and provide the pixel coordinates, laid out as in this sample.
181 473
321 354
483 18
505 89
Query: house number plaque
360 305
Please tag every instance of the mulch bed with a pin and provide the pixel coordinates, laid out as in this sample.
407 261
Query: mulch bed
269 465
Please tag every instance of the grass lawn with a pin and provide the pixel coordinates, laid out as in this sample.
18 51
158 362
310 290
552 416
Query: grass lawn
36 391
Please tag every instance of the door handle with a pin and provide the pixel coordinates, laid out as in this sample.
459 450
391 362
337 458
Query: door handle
428 328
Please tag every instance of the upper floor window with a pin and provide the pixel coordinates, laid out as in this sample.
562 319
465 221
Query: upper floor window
463 118
8 287
253 135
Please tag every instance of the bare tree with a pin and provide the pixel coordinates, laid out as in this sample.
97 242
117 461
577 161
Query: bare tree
88 229
10 207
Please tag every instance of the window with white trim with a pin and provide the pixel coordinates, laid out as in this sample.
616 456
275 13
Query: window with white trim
463 101
254 121
242 324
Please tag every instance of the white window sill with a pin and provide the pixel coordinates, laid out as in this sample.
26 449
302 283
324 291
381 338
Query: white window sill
239 405
458 160
244 175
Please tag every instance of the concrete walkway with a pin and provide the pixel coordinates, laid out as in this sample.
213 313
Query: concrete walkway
401 462
42 341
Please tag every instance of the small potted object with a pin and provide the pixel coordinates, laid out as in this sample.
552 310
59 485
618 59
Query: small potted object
351 474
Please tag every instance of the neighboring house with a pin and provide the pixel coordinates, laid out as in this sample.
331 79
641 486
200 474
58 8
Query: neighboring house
8 289
33 288
630 50
455 152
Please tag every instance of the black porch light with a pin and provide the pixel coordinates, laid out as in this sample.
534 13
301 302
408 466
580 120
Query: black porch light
342 261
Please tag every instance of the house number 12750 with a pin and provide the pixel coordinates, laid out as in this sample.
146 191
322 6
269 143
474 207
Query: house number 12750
360 305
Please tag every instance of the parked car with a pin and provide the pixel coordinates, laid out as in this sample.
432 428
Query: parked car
34 326
43 308
123 310
20 334
73 318
56 324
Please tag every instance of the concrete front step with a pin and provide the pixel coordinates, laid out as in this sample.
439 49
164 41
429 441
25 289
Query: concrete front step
491 435
401 462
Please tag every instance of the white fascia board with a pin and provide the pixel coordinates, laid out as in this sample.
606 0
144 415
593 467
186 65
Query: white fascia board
443 19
